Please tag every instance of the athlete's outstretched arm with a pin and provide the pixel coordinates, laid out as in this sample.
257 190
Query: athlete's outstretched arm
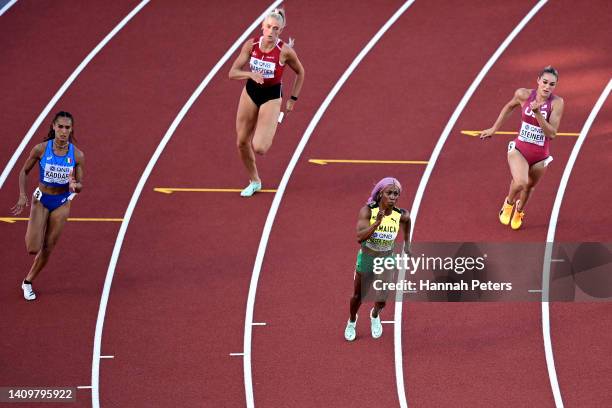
33 158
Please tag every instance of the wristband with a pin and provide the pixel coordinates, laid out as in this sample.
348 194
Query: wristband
293 98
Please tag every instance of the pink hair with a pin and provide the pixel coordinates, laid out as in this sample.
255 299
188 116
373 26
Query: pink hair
380 186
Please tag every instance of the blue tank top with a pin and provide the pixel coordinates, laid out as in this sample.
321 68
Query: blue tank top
54 169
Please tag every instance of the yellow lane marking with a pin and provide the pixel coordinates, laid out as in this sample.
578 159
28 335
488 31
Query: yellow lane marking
323 162
170 190
12 220
477 132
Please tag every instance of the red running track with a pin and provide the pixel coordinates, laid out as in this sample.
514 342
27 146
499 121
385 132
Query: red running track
581 330
123 103
393 107
41 43
476 350
201 289
177 305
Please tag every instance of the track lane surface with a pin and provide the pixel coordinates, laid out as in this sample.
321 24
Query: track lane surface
306 279
509 335
41 43
209 268
581 330
122 103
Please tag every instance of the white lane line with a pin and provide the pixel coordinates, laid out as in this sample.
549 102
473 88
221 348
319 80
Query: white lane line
399 367
534 290
63 89
107 356
387 321
84 387
236 354
6 7
557 260
95 366
550 239
261 250
259 324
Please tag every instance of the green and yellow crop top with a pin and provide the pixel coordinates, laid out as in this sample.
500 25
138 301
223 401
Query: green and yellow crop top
383 239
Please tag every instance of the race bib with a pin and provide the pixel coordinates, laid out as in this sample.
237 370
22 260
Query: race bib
381 241
265 68
37 194
531 134
56 174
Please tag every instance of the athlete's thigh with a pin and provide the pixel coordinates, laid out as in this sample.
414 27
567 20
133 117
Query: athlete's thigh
536 172
36 226
246 117
267 121
55 225
519 168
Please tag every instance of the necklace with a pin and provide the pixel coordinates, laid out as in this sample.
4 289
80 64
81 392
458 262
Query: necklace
60 147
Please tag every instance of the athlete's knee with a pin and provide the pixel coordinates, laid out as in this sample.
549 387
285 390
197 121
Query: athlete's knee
261 148
32 249
33 245
48 247
356 298
242 143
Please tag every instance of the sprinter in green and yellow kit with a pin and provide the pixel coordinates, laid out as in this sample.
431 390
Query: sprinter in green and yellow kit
378 225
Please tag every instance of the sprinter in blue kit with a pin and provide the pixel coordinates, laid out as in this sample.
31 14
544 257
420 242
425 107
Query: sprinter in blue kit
60 164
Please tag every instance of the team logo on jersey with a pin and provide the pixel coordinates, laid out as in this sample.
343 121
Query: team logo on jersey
529 112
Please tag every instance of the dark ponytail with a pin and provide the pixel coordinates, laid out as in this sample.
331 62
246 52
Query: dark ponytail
61 114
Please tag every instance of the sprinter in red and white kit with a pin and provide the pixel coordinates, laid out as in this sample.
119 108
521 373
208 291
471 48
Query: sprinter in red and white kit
260 101
528 154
